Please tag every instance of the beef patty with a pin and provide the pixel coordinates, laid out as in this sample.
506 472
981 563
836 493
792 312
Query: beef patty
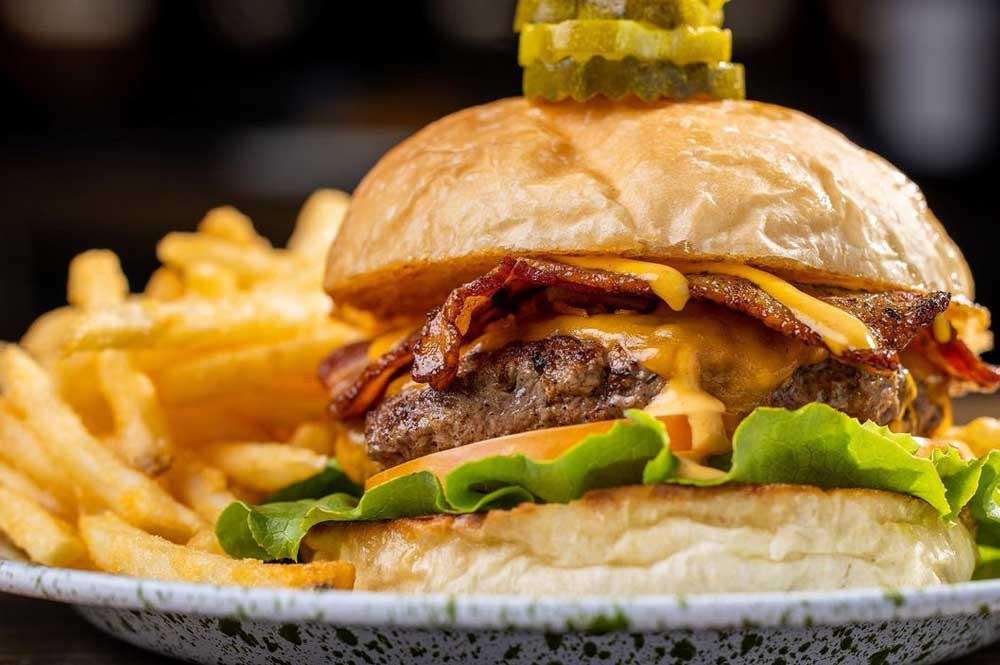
566 381
523 386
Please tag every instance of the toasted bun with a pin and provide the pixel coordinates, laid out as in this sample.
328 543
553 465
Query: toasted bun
663 539
741 181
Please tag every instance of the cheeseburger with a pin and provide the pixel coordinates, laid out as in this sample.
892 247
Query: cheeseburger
669 347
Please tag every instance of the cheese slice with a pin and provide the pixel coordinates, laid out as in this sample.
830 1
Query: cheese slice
668 283
942 328
840 331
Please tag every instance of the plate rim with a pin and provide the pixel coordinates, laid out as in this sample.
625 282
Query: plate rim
491 612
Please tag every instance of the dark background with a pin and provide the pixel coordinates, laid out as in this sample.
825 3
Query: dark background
123 119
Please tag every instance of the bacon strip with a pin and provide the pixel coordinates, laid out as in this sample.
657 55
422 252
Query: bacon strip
357 384
893 317
958 361
436 353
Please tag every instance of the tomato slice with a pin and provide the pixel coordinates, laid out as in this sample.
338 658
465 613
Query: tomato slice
539 445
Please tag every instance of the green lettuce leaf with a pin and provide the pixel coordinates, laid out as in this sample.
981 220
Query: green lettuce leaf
331 480
274 531
814 445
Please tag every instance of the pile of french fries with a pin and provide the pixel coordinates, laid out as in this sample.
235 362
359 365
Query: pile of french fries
128 422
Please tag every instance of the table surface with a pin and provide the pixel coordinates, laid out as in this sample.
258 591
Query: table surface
37 631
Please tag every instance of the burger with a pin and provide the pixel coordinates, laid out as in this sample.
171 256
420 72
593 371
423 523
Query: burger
645 348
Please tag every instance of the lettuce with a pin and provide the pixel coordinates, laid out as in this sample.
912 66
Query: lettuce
814 445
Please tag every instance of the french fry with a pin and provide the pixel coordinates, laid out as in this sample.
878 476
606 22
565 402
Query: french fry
249 368
266 467
16 481
200 487
319 436
10 551
249 264
96 280
279 409
230 224
117 547
164 284
141 437
93 468
255 317
21 449
75 376
45 538
317 224
349 450
198 424
206 541
47 336
209 280
222 346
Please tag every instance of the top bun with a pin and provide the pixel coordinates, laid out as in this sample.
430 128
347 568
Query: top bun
667 182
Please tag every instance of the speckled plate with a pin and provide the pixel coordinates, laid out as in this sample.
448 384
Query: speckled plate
209 624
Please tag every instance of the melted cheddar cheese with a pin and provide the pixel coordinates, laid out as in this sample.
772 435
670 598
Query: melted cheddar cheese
942 328
840 331
715 361
669 284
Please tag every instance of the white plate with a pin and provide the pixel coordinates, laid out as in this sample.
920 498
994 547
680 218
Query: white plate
211 624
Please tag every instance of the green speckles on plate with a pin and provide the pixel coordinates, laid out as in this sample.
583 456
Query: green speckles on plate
750 642
346 636
684 651
894 596
290 633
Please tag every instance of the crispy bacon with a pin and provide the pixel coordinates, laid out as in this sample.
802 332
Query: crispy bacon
894 318
354 382
435 356
958 361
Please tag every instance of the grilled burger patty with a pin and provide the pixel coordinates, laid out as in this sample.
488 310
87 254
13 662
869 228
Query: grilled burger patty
564 380
523 386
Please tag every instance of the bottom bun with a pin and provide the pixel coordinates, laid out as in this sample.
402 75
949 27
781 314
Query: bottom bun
662 539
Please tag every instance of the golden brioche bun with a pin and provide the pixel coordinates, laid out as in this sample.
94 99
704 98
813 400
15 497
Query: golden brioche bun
742 181
662 539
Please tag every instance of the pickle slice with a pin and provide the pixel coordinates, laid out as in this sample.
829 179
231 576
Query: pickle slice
646 80
662 13
616 40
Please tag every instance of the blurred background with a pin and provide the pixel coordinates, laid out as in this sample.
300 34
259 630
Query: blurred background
123 119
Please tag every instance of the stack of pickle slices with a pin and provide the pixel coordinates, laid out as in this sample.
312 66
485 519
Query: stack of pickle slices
649 49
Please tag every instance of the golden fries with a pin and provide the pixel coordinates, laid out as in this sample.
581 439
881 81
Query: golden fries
209 280
349 449
164 284
266 467
43 536
21 449
251 368
96 280
93 468
179 382
264 316
247 263
16 481
200 487
317 225
141 437
120 548
48 335
230 224
206 541
319 437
